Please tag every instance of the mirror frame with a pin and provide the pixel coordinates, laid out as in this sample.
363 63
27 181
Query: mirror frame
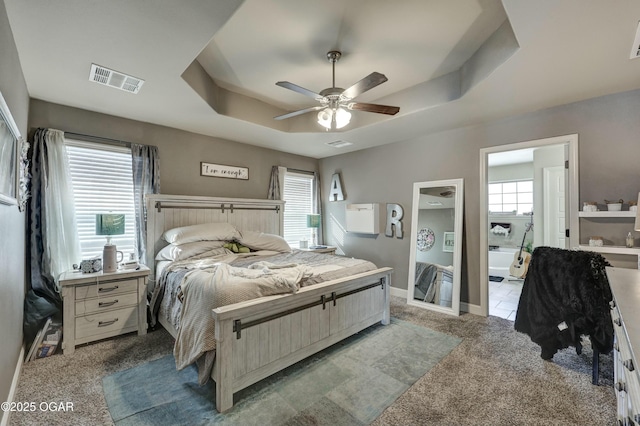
457 251
11 198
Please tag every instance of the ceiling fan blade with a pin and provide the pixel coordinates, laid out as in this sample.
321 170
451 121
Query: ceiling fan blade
367 83
299 112
380 109
299 89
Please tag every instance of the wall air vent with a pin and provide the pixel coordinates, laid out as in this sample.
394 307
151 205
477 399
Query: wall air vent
339 144
635 49
115 79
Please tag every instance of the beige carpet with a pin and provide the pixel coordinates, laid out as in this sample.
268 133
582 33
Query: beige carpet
494 377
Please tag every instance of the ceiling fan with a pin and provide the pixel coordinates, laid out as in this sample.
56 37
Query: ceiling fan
335 101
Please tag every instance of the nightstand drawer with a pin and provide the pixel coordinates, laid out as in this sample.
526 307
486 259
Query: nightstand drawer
112 322
107 288
105 303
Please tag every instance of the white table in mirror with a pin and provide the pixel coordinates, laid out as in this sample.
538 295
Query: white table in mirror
436 246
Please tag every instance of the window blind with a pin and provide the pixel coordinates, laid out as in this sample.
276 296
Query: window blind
298 194
102 183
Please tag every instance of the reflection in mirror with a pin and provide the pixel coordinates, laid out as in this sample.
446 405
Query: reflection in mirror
436 248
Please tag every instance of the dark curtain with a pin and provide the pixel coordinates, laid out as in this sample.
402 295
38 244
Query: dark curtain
42 280
42 299
274 185
145 163
317 206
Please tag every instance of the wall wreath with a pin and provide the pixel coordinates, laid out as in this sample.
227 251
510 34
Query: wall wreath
426 239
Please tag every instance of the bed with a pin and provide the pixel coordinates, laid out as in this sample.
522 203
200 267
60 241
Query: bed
259 337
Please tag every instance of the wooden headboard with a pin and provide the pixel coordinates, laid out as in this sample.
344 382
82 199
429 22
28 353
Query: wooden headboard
171 211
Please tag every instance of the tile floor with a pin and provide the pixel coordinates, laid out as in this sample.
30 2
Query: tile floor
504 297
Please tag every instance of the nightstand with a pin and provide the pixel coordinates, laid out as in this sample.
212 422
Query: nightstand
100 305
325 249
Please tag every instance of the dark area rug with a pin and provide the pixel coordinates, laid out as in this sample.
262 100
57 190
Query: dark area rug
351 382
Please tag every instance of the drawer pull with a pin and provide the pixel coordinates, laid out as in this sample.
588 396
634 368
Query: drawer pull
617 321
106 323
621 387
107 289
106 304
628 364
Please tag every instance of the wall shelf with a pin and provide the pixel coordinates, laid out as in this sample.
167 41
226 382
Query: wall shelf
603 214
612 249
603 219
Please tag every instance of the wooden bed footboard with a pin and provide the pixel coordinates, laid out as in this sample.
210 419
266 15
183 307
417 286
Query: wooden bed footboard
258 338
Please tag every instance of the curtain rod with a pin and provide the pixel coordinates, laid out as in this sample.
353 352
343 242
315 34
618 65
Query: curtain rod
91 138
308 172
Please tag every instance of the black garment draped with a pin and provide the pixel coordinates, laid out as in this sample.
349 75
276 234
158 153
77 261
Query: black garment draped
566 295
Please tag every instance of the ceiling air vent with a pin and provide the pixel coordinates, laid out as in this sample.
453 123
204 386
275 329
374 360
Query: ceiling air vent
115 79
339 144
635 49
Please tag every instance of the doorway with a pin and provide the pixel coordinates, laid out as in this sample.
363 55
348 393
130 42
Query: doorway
529 198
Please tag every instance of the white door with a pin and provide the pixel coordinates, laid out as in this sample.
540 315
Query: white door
554 207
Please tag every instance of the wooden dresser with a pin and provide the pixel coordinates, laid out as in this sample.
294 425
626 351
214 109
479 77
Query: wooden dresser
625 285
100 305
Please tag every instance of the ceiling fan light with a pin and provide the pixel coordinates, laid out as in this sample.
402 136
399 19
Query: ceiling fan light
342 118
324 117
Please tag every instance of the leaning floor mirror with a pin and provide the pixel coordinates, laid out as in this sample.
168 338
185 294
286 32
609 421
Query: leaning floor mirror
436 246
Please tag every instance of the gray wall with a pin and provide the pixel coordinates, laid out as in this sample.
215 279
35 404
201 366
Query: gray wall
608 129
12 222
180 152
439 221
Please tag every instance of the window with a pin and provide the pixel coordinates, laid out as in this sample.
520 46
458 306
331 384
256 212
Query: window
102 182
298 193
507 197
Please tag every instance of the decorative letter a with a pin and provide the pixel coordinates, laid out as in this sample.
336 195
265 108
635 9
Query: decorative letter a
336 189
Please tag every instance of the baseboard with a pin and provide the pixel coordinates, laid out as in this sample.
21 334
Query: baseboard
472 309
465 307
14 385
398 292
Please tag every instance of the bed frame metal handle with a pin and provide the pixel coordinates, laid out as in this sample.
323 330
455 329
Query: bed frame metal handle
238 325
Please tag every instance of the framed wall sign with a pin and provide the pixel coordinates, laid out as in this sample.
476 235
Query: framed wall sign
222 171
448 241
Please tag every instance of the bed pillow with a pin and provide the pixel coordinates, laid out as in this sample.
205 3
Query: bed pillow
220 231
184 251
262 241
